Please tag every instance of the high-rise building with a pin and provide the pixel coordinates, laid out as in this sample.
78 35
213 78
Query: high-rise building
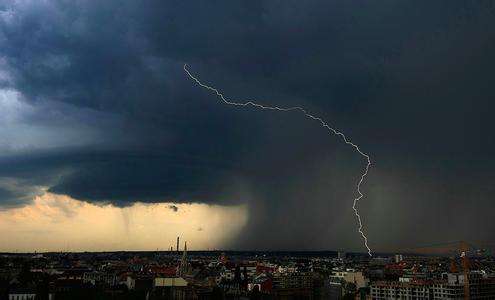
398 258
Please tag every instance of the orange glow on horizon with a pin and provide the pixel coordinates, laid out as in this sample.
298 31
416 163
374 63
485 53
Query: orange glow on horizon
59 223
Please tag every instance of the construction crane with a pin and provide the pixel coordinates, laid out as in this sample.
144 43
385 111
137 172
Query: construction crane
461 249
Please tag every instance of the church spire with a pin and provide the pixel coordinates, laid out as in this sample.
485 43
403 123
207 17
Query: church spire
184 264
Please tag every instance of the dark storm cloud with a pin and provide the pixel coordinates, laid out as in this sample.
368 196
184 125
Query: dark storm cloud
120 177
411 82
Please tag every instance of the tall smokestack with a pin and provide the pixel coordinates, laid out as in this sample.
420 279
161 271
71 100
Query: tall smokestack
177 245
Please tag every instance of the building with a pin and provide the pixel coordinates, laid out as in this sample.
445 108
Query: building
336 290
400 290
347 282
184 266
139 282
22 294
100 278
292 280
292 284
357 278
169 288
449 286
481 286
225 276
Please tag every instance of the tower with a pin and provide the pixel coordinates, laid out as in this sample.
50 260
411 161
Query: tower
177 246
184 264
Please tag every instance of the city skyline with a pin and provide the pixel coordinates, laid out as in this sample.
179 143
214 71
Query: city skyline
107 144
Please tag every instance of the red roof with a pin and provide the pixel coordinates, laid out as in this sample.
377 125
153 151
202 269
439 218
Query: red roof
163 271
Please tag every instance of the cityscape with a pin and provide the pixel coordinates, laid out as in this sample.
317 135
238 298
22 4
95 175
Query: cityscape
247 149
182 274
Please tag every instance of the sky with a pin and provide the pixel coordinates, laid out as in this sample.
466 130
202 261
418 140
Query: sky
98 118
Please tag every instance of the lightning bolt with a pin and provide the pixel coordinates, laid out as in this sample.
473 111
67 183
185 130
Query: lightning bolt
312 117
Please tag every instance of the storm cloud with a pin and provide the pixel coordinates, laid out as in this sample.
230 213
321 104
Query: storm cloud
95 105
